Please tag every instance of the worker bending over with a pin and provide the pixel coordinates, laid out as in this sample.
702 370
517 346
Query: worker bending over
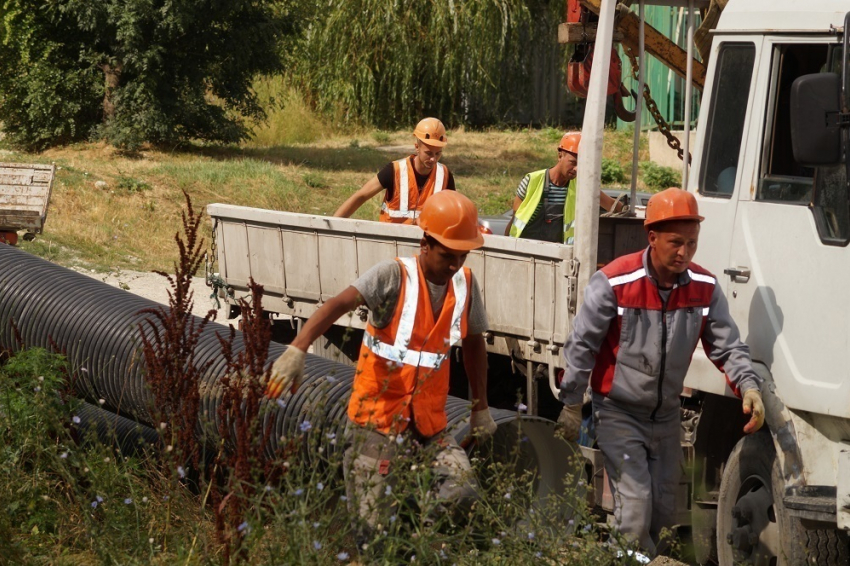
408 182
633 338
545 201
420 307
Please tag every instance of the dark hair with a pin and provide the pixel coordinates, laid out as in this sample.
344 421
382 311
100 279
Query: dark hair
430 241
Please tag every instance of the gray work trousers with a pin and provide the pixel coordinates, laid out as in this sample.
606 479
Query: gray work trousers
644 464
372 463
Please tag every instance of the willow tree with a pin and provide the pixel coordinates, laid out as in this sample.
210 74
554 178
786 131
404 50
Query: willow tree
134 71
387 62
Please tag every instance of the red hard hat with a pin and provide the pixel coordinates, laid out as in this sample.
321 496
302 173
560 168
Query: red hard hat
672 204
451 219
570 142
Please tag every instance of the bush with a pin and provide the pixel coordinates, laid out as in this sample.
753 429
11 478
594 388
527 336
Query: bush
659 177
612 172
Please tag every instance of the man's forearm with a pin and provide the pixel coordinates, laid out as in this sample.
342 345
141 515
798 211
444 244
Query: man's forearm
475 364
327 314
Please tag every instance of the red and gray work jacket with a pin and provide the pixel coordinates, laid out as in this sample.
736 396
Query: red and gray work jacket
635 347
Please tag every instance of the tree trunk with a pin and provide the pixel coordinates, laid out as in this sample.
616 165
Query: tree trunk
112 77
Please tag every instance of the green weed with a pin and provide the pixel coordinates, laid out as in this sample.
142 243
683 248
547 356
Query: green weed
659 177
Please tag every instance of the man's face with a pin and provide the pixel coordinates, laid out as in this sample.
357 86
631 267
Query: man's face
439 262
567 162
674 245
428 155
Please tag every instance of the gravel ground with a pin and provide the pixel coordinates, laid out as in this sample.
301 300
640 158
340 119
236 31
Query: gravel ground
155 287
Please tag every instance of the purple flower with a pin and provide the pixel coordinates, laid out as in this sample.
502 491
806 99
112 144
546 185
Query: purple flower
317 545
76 419
299 491
320 486
128 501
496 541
522 407
64 454
342 556
244 527
305 426
181 472
281 403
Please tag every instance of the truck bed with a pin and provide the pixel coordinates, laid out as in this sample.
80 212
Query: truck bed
24 195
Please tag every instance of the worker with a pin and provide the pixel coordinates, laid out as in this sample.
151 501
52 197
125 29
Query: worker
633 339
408 182
420 306
545 201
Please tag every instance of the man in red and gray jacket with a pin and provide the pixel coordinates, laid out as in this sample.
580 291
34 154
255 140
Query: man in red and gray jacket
633 338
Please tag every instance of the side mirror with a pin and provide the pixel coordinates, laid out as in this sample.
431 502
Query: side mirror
815 124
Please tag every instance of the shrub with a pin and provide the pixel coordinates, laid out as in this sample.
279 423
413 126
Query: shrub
612 172
659 177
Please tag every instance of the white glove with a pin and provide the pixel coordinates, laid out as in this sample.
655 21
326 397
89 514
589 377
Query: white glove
287 372
482 425
569 421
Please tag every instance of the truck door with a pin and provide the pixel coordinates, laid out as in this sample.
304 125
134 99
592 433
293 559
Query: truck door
789 265
720 167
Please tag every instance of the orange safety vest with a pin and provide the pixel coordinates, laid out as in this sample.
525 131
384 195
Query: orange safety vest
407 199
403 370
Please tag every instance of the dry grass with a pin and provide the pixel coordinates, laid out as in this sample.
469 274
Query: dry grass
131 222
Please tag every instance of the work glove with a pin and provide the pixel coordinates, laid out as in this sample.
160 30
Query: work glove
287 372
482 425
569 421
753 406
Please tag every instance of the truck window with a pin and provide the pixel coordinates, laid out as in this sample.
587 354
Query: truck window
725 126
782 179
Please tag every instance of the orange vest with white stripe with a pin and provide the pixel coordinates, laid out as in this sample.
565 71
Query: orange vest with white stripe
403 371
407 198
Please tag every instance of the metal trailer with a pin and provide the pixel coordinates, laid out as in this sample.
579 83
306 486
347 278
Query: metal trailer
24 196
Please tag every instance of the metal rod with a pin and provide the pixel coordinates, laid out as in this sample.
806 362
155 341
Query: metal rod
638 108
686 146
590 157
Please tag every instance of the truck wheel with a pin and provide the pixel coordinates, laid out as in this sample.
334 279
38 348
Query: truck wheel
753 526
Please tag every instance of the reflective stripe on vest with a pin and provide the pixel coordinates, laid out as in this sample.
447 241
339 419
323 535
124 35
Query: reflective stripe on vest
404 190
533 196
399 351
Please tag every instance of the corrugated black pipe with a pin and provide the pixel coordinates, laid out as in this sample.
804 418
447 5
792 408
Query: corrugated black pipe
97 327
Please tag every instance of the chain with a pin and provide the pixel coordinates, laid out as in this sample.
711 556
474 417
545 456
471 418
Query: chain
652 107
213 279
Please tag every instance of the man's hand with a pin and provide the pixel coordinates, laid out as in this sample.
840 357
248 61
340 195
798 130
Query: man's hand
753 406
569 421
482 425
287 372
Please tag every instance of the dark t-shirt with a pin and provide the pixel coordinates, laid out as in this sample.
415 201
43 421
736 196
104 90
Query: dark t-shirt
386 177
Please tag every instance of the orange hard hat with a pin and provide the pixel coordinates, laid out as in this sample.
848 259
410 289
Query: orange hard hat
570 142
431 131
451 219
672 204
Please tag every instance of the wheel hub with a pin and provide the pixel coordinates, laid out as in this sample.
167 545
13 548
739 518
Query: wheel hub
754 536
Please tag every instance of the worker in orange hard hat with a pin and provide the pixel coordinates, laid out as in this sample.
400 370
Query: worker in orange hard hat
420 307
408 182
632 339
545 201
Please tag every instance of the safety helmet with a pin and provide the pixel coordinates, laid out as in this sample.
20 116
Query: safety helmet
570 142
431 131
451 219
671 204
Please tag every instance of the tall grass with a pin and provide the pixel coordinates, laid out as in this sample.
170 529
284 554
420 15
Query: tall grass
289 118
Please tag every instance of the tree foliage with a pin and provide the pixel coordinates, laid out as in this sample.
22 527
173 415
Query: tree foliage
386 62
135 71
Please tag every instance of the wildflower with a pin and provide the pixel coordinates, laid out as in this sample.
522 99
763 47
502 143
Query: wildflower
399 439
388 490
128 501
145 499
392 519
169 448
330 378
496 542
64 454
37 388
522 407
413 468
343 498
281 403
268 488
316 525
508 495
342 556
99 499
181 472
443 554
331 435
165 498
538 554
41 378
150 540
84 370
101 401
413 558
317 545
244 527
571 522
162 426
320 486
625 456
76 419
106 460
299 491
305 426
94 504
531 535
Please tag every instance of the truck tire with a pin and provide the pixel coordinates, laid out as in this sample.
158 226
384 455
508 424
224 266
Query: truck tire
753 526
